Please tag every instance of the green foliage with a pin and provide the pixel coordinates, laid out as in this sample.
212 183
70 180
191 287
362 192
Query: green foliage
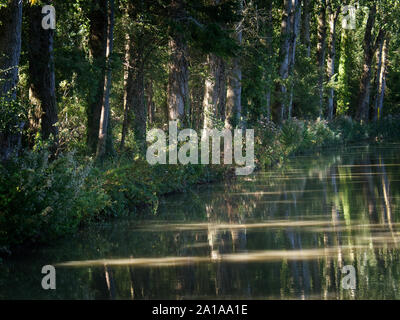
291 134
136 184
41 199
273 144
12 116
267 147
386 129
350 130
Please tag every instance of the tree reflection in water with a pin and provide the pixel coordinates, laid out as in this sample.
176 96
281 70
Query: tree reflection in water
283 234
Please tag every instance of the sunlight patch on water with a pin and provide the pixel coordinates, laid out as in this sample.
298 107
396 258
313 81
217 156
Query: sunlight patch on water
261 225
246 257
274 192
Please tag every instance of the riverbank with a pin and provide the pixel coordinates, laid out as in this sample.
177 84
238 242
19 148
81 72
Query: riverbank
42 200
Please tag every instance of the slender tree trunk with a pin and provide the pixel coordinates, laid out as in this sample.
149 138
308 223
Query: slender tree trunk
221 104
305 26
381 86
295 23
10 49
126 120
379 56
365 82
97 50
284 56
344 72
41 72
233 115
105 108
151 108
234 95
333 17
321 45
270 56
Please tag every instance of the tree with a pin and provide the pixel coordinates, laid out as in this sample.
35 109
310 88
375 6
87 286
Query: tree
140 41
289 33
305 26
10 49
105 108
134 89
97 16
321 49
295 23
370 48
381 76
333 15
234 85
178 81
214 91
41 72
284 57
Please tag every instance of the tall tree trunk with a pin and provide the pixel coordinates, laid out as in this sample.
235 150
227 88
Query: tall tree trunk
365 82
321 45
151 107
234 92
381 77
41 72
295 23
333 17
344 72
10 49
134 90
270 56
105 108
135 96
126 120
233 114
178 81
305 26
214 91
178 95
97 50
379 56
284 56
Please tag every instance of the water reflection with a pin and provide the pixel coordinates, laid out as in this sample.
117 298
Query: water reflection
283 234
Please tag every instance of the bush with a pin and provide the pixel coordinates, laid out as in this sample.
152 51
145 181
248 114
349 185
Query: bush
41 199
292 134
268 149
386 129
139 184
349 130
318 134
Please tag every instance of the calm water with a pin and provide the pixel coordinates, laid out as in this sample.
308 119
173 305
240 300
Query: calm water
283 234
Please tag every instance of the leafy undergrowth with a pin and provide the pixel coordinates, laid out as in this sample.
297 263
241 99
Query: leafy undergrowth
274 144
41 200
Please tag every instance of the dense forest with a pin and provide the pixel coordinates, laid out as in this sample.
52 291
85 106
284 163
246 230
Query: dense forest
80 88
